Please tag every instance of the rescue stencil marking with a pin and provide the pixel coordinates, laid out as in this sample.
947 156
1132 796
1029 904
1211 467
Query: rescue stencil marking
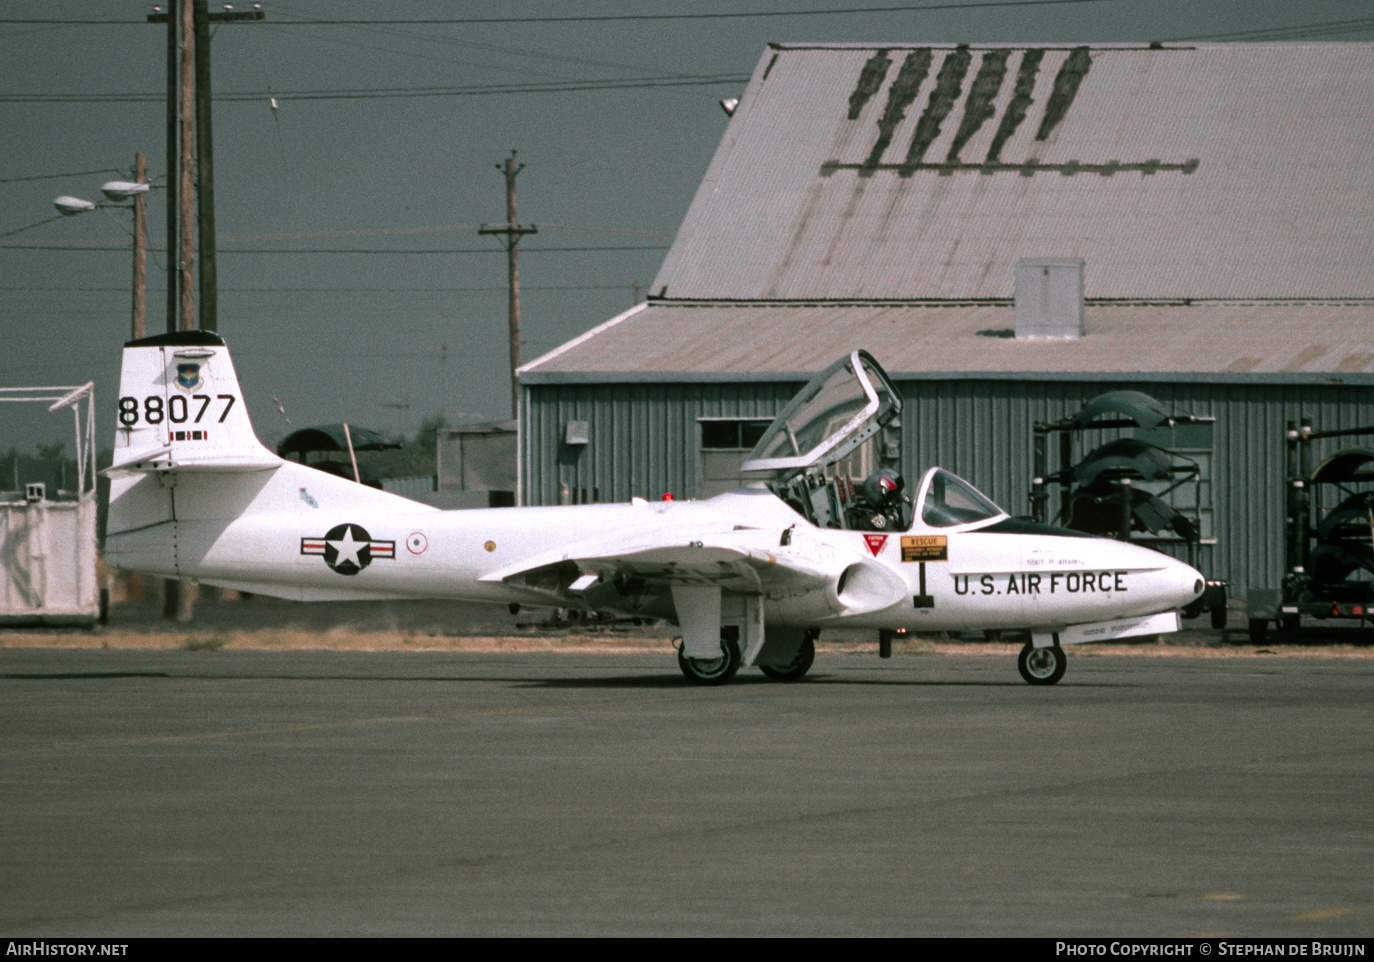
875 542
930 547
348 548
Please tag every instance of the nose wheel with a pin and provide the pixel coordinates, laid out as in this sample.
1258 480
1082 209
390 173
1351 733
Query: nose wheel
1042 666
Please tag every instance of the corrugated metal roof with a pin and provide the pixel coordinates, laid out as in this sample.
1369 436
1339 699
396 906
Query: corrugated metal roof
1216 338
901 172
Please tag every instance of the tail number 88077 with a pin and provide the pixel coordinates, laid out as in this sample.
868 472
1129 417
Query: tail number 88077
176 409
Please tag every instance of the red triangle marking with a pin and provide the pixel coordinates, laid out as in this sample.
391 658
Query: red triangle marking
875 542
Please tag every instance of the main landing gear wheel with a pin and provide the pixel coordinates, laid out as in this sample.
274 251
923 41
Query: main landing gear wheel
711 671
1259 628
799 665
1042 666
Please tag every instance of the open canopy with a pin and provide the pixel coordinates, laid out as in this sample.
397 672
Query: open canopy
840 409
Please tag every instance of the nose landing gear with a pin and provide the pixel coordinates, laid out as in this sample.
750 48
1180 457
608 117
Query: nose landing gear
1042 666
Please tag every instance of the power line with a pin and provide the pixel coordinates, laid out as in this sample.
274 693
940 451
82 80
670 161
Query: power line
561 86
335 290
621 17
733 15
429 36
77 173
66 361
440 229
575 86
412 231
1357 25
37 223
81 249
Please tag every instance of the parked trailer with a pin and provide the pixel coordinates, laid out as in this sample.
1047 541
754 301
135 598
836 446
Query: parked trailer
1329 537
48 575
48 572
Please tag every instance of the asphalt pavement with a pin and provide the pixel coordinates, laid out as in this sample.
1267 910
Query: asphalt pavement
336 793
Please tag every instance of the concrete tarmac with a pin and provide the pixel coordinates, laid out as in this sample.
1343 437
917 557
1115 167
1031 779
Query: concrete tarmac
330 793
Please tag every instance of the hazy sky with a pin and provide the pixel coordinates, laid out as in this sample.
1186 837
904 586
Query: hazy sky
339 336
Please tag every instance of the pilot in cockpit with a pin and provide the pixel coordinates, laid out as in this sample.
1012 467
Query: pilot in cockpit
882 506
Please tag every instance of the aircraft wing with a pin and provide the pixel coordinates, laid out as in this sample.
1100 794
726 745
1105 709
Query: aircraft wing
742 559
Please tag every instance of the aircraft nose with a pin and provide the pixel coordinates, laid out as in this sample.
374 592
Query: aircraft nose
1189 581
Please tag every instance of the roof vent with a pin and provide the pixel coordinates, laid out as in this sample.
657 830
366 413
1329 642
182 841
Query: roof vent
1049 298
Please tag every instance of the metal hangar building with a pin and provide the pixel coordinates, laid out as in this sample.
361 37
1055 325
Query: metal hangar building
1210 210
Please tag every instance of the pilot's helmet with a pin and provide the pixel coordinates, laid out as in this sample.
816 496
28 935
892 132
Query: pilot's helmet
881 485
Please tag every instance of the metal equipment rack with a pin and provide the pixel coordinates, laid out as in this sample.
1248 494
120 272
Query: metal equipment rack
1323 561
1107 500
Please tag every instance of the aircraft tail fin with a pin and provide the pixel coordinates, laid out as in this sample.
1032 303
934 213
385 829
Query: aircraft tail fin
188 468
180 407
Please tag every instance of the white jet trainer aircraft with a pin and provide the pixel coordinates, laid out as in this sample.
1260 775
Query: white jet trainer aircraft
751 576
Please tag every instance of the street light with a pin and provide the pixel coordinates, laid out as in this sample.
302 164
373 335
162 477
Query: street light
116 191
71 206
125 195
121 190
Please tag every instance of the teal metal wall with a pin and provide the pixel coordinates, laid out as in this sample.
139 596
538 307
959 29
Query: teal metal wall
643 442
643 436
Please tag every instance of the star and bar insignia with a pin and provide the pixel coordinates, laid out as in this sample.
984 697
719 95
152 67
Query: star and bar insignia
348 548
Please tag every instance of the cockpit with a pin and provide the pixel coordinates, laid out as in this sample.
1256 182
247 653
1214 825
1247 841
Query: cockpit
833 456
950 500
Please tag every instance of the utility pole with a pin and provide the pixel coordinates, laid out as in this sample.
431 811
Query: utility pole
139 325
186 167
205 171
512 232
189 185
186 239
173 156
191 173
185 595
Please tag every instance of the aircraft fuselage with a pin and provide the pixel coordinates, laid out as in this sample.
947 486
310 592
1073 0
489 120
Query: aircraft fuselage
303 534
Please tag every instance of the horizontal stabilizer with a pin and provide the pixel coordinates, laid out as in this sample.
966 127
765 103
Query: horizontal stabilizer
161 459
